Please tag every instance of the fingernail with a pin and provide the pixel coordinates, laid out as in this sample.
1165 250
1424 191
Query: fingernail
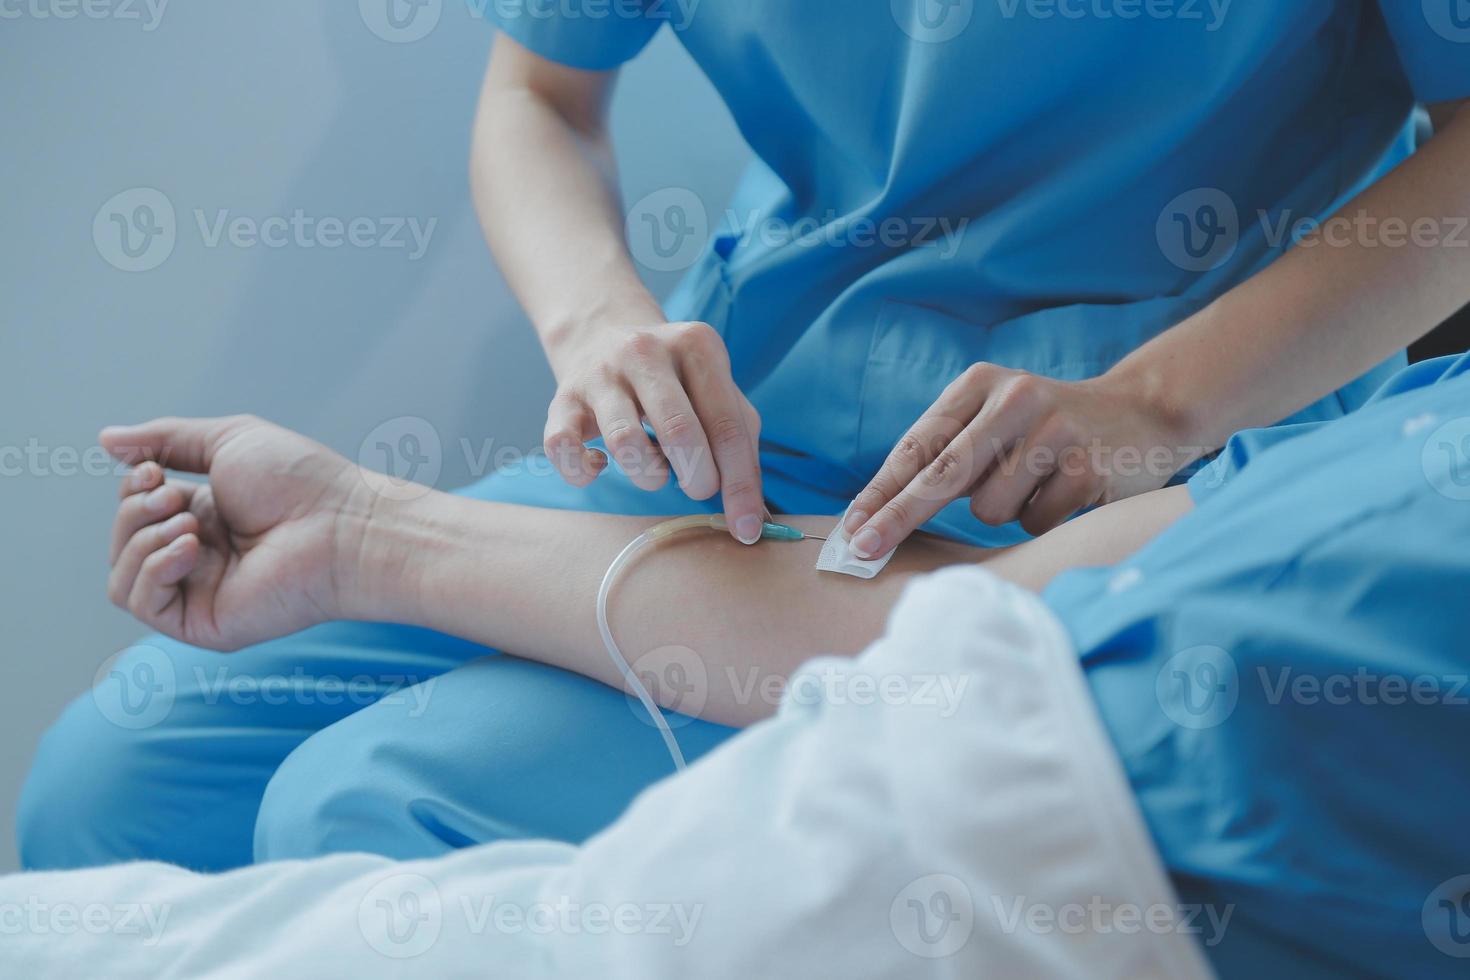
854 520
867 543
748 529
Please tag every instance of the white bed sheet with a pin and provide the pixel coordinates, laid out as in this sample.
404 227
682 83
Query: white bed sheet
892 826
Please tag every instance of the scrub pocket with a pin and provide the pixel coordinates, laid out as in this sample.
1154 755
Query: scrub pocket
918 350
705 292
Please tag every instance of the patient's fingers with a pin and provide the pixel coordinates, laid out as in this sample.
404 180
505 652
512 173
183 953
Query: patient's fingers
158 579
145 476
147 507
142 544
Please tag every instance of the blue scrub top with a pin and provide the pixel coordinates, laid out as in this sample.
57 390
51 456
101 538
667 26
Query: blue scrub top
1286 676
1043 185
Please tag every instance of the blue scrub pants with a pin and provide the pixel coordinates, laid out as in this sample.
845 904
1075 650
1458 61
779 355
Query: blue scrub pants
358 737
345 737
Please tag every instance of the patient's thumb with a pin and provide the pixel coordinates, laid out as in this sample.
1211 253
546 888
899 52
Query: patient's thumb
174 443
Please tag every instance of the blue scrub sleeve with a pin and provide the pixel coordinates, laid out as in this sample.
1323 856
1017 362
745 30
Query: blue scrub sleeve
1283 668
1433 42
595 35
1247 445
1238 453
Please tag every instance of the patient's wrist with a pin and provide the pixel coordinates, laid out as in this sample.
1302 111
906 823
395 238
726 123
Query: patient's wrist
382 570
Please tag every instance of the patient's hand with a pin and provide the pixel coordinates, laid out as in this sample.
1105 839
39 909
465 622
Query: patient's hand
257 552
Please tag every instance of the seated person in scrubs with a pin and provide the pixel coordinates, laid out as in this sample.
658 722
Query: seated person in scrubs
1277 662
992 266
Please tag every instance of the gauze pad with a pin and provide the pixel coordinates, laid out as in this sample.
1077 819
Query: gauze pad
837 557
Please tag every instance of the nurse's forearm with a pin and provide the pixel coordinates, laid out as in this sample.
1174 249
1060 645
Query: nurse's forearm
544 183
525 580
1329 309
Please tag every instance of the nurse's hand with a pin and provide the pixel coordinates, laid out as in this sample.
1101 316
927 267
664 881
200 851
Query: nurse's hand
1021 447
257 552
676 376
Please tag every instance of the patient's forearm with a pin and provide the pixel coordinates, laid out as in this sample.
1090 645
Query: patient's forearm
525 580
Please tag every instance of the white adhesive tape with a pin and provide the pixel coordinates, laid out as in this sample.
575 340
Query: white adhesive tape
837 557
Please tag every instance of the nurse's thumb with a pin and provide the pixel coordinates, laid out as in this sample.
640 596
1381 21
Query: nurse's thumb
181 444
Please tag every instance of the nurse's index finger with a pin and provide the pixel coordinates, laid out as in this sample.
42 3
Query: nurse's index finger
929 437
925 442
722 416
946 478
955 471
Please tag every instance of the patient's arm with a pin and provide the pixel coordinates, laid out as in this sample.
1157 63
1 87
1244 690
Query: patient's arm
525 580
286 533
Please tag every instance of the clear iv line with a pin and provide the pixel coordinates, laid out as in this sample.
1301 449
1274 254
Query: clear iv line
716 522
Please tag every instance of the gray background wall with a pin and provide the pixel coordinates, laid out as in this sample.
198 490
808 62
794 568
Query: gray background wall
258 109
